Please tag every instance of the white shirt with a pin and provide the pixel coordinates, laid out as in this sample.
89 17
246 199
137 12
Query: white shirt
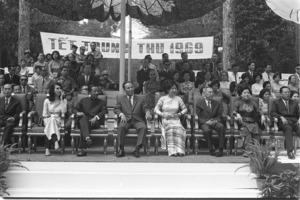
8 99
256 88
232 77
268 77
207 103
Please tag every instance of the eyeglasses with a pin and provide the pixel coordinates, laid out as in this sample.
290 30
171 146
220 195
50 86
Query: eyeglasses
23 79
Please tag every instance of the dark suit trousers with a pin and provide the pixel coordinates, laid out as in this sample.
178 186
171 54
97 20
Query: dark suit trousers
207 131
288 132
8 131
85 129
132 123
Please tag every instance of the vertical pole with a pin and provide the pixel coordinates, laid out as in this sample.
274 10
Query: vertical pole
229 33
130 46
24 28
297 47
122 44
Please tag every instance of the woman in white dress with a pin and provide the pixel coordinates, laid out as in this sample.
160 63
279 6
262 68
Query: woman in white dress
54 106
170 108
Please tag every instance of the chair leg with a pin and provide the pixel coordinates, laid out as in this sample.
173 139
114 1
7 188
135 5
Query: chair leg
72 145
20 143
156 146
148 146
115 146
227 145
295 146
105 145
188 145
29 144
196 145
34 143
276 145
76 144
235 146
62 145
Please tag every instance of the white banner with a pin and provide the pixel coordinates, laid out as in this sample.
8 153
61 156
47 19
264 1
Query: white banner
197 47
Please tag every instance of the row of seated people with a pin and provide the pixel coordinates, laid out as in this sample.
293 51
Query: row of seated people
131 108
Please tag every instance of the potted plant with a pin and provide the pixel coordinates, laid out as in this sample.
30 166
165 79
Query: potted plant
262 162
284 185
5 162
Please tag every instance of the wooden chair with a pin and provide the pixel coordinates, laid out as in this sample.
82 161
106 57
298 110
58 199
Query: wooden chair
18 130
101 132
36 130
199 132
235 121
132 133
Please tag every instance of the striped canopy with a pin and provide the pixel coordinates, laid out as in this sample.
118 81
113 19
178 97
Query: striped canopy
149 12
287 9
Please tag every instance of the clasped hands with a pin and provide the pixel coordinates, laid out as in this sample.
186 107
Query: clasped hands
93 120
211 122
170 116
10 119
124 120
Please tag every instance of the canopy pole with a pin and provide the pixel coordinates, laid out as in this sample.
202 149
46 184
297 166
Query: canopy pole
130 45
122 45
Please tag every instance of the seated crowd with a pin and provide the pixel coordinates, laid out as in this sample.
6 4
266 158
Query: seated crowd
61 78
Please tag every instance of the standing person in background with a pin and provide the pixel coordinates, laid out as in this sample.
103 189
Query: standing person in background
142 76
11 77
55 65
234 76
81 59
292 85
42 84
24 69
96 53
28 58
184 58
213 63
276 85
40 62
257 86
251 68
268 74
217 73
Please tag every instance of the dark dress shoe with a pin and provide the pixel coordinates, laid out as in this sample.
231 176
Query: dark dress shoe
291 155
121 153
219 154
89 142
180 154
136 153
212 152
81 153
174 155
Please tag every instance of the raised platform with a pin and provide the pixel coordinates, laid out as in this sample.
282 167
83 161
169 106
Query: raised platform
130 180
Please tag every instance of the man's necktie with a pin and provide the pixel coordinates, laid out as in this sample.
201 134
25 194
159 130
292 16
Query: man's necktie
24 90
209 105
130 102
6 103
43 82
87 80
288 107
235 78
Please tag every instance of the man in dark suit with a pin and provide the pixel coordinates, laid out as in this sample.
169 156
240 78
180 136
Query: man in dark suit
209 113
251 68
166 73
29 91
184 58
131 108
90 112
286 111
10 109
11 77
142 76
217 74
88 78
2 83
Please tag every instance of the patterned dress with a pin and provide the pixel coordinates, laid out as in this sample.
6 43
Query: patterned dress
52 123
173 133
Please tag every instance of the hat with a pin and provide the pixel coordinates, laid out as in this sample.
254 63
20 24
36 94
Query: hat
27 51
105 72
74 46
82 47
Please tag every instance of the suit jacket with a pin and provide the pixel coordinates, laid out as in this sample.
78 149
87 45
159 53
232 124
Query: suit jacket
142 76
205 114
251 81
13 110
279 109
93 80
42 85
168 75
15 79
137 111
91 107
217 75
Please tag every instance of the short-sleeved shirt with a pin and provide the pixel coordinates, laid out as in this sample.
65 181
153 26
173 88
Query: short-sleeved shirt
67 83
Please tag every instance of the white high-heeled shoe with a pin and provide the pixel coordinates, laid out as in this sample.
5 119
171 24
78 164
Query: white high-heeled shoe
56 145
47 153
